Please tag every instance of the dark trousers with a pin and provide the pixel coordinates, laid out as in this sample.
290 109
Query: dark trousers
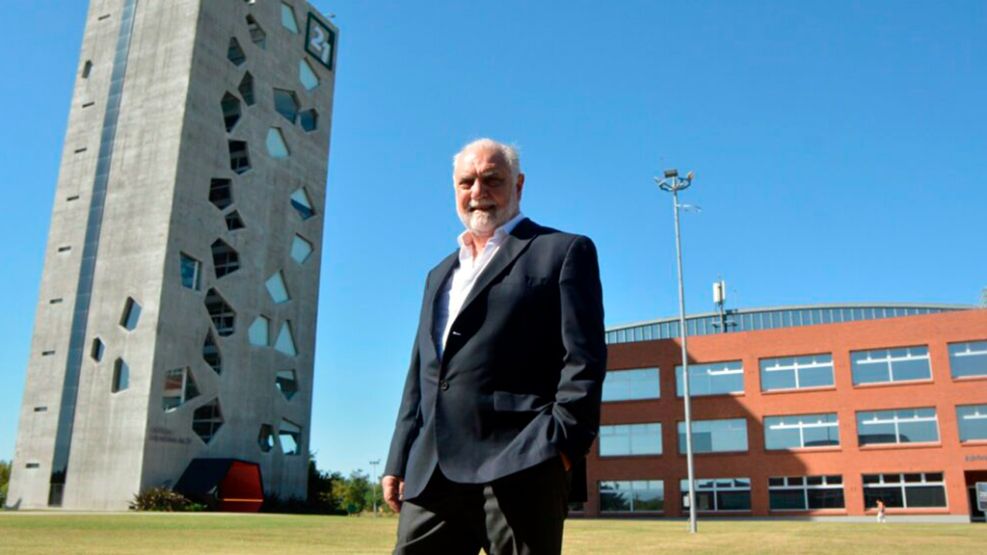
519 514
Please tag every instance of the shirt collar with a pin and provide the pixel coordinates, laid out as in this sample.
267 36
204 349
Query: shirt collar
465 240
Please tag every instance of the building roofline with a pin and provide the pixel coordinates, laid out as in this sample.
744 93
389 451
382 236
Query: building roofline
732 311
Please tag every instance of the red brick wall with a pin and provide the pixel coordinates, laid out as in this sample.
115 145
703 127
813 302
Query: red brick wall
848 460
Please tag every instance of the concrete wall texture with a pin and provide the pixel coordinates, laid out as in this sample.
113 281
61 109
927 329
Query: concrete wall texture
961 463
151 396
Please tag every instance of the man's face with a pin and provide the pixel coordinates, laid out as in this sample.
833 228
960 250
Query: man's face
486 196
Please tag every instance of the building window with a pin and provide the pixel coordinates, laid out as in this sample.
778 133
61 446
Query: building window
890 365
221 192
265 438
276 146
632 496
246 89
207 420
720 495
288 18
309 119
234 53
257 34
231 110
179 387
290 437
285 343
287 383
801 430
897 426
300 202
121 376
277 289
968 359
87 68
919 489
222 315
715 436
625 385
800 493
225 259
233 221
972 421
239 157
716 378
97 349
796 372
131 314
211 354
630 439
191 272
258 333
286 104
307 76
302 249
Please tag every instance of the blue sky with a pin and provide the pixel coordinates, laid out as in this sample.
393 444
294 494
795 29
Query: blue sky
840 151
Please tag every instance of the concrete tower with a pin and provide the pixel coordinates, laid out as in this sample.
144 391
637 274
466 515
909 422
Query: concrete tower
176 319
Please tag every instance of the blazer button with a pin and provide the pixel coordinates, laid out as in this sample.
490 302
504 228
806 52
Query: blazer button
443 385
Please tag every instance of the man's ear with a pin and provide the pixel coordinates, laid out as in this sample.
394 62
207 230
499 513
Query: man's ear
519 185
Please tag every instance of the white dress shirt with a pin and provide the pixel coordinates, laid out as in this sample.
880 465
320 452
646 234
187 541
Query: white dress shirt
462 278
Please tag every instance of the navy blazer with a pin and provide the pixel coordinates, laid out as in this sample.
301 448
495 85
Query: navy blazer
521 376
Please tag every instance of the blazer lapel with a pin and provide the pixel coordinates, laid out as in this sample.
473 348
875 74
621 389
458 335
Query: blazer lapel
441 274
513 246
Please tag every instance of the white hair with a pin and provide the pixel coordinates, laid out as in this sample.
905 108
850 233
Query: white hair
510 153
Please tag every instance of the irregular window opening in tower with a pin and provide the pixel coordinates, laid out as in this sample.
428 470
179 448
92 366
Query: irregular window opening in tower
257 34
239 157
307 75
287 383
265 438
258 334
121 376
234 53
191 272
300 249
179 388
207 420
220 313
221 192
286 104
97 350
288 18
211 354
301 204
277 289
224 258
231 110
276 146
246 89
233 221
285 342
309 119
131 314
86 69
290 437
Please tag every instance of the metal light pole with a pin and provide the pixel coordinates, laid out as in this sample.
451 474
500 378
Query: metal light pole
673 184
373 484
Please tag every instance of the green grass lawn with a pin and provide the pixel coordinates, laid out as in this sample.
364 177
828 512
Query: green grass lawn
28 533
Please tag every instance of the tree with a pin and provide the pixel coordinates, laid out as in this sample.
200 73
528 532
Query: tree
4 480
353 494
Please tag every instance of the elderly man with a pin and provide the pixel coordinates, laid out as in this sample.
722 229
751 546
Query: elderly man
502 398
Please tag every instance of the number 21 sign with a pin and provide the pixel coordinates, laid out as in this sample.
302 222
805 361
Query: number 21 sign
320 40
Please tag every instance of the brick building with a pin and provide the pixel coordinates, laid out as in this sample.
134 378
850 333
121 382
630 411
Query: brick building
801 411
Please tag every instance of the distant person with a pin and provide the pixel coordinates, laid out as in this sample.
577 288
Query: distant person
881 511
502 398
